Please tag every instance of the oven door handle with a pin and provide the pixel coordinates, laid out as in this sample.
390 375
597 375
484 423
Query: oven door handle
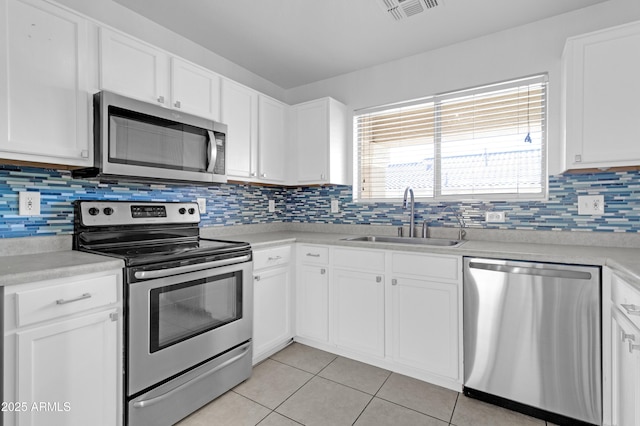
161 273
160 398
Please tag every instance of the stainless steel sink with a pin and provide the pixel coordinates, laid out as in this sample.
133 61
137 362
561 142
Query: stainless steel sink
406 240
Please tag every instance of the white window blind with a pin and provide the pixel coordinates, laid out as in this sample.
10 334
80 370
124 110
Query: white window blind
486 142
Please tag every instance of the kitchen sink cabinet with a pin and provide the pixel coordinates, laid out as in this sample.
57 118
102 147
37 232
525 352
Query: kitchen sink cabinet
621 357
601 85
359 300
319 133
64 331
312 293
256 140
139 70
273 307
44 80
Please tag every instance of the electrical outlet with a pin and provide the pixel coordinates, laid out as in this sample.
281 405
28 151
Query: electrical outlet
335 206
591 204
495 217
29 203
202 205
272 206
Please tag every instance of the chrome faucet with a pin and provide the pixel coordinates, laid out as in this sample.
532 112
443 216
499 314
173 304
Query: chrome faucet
458 216
409 191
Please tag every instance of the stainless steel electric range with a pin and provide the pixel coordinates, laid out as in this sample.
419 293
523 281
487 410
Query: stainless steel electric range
188 305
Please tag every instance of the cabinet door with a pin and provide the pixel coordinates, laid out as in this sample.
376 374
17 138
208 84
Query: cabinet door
602 87
271 139
44 99
272 309
359 311
312 307
625 377
195 90
133 68
80 353
239 111
311 139
424 325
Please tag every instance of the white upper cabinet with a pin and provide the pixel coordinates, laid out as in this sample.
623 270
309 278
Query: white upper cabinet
239 111
138 70
601 88
44 100
319 135
272 139
132 68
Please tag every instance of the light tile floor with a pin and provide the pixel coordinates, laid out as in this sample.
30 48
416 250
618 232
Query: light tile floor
301 385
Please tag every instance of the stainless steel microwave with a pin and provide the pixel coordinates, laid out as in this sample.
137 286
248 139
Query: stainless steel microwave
137 141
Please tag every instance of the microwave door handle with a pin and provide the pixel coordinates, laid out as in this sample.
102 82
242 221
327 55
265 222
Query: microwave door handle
212 152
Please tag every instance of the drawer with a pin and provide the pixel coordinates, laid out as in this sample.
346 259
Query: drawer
313 254
56 301
368 260
626 298
271 257
430 266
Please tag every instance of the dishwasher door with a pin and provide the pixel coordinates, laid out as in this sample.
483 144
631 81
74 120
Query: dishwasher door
532 335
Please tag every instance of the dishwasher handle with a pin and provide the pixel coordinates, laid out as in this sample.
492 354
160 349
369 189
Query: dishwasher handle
523 270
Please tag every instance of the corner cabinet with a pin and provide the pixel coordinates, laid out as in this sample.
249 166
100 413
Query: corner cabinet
44 98
600 108
63 351
273 304
319 133
139 70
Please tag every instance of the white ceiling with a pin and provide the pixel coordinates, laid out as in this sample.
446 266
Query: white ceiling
295 42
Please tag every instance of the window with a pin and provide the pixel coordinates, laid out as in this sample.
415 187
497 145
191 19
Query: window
488 142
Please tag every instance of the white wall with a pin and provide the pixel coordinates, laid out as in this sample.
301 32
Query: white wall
117 16
516 52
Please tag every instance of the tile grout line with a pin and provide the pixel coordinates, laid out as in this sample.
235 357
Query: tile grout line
454 408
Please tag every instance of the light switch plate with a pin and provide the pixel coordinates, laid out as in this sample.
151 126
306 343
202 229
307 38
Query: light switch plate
335 207
29 203
272 206
591 204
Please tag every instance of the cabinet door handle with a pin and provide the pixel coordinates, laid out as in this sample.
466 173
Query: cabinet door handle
394 282
313 254
161 99
257 277
624 336
631 309
65 301
378 279
253 174
323 271
322 176
177 104
264 175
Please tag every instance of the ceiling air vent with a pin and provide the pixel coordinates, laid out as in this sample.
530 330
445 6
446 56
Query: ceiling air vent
401 9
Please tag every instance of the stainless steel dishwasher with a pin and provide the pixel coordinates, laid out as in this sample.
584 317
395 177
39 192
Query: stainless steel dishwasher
532 338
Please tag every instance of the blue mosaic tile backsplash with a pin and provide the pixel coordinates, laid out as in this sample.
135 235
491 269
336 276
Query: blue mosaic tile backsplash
231 204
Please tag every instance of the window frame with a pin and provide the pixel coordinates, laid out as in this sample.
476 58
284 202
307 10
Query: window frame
437 99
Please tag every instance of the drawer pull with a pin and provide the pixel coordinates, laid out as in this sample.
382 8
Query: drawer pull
64 302
625 336
631 309
271 259
633 347
313 254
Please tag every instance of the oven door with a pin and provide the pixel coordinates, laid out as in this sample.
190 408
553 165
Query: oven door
179 321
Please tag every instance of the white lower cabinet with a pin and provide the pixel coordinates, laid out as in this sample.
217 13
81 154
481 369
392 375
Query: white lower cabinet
397 310
63 352
312 293
272 295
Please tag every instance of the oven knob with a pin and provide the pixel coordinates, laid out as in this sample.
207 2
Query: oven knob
108 211
182 210
93 211
192 210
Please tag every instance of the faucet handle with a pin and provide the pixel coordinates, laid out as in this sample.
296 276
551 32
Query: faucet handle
425 229
400 231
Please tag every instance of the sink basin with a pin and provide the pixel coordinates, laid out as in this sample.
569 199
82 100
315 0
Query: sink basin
406 240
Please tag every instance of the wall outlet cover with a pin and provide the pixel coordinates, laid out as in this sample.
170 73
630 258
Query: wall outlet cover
591 204
29 203
335 206
202 205
272 206
495 217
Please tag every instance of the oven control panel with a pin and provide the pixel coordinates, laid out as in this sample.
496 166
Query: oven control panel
106 213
